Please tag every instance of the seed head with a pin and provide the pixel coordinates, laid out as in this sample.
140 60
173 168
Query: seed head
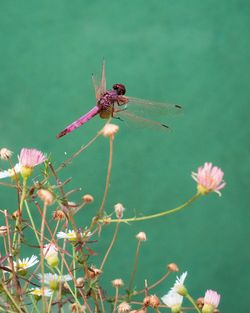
152 301
141 236
124 307
5 154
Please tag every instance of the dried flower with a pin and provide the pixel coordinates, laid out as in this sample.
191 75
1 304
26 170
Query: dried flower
173 300
3 231
152 301
109 130
211 301
124 307
93 272
50 253
80 282
58 215
209 178
46 196
117 283
77 308
119 209
141 236
179 285
5 154
53 280
172 267
88 198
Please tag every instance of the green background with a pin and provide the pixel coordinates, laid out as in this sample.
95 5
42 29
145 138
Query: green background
195 53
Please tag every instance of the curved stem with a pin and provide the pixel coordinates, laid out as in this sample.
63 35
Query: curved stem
110 246
108 175
149 217
135 267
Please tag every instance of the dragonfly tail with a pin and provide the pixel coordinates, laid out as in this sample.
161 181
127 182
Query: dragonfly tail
82 120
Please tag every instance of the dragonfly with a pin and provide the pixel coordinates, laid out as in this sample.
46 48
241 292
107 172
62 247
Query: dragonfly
114 104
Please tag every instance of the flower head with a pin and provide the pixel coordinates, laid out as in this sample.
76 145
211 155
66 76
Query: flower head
71 235
22 265
209 178
39 292
88 198
211 301
109 130
53 280
179 285
11 172
31 157
5 154
173 300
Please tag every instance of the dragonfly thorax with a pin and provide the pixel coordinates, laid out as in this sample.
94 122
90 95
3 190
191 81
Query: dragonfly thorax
120 89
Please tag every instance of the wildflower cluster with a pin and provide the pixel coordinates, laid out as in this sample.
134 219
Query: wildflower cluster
59 270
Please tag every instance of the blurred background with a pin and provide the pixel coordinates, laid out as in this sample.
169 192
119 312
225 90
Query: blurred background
193 53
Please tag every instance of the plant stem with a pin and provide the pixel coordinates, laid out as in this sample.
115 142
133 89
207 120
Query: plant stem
149 217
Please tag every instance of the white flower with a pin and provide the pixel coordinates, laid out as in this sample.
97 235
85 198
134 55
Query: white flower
172 299
179 284
71 235
39 292
11 172
25 263
53 279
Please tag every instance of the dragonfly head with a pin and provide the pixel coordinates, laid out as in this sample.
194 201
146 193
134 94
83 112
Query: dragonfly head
120 89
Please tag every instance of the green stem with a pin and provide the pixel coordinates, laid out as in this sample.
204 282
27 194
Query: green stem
32 221
149 217
11 299
193 302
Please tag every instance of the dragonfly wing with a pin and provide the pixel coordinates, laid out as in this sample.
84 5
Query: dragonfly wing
129 117
82 120
101 89
152 107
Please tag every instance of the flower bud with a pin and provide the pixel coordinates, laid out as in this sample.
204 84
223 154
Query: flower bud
88 198
119 209
46 196
80 282
58 215
172 267
152 301
117 283
3 231
141 236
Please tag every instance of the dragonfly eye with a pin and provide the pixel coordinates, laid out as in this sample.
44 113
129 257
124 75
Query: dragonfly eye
120 89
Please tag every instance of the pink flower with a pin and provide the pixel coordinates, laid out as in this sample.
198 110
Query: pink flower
209 178
211 301
31 157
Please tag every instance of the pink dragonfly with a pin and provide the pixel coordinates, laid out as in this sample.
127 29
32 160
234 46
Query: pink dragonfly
113 103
